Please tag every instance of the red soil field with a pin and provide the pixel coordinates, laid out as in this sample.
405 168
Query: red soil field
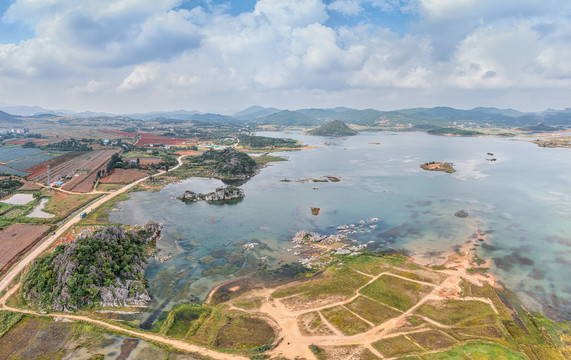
146 161
188 152
123 176
146 139
16 240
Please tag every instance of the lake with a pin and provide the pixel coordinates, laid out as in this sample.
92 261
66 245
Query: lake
521 199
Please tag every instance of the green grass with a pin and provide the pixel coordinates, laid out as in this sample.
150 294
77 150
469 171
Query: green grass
62 204
187 318
208 332
265 159
251 303
7 320
99 216
109 187
371 264
452 312
246 332
398 345
334 281
396 292
432 340
344 320
485 351
372 310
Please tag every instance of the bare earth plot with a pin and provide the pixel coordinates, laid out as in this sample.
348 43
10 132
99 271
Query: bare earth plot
123 176
16 240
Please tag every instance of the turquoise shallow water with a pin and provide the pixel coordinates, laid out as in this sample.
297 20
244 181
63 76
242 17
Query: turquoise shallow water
521 199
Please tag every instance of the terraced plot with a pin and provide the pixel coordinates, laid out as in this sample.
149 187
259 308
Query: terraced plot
396 292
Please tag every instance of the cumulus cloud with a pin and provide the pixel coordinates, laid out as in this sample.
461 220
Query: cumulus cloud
140 76
285 51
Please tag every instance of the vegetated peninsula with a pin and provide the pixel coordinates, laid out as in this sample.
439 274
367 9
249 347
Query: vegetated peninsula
104 268
454 132
333 128
438 166
267 143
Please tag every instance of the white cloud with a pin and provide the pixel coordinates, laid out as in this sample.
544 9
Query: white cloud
141 75
346 7
294 13
285 51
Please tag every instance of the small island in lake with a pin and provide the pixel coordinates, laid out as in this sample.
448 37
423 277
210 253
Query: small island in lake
333 128
438 166
221 195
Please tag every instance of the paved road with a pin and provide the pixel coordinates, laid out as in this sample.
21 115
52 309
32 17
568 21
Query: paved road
60 231
14 271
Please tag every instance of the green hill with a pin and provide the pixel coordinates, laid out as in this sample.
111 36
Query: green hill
333 128
106 268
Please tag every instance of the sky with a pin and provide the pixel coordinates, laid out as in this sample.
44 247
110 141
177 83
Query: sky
127 56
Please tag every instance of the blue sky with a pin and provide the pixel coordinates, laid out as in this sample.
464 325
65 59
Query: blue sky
212 55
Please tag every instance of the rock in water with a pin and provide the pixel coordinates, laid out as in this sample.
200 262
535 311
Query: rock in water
220 195
461 214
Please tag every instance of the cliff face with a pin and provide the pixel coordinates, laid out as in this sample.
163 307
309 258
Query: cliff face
105 268
222 195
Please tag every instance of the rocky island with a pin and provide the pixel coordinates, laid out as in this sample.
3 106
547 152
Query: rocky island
438 166
101 268
333 128
221 195
227 164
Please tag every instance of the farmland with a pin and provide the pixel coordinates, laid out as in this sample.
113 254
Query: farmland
147 139
41 167
123 176
16 239
90 162
15 160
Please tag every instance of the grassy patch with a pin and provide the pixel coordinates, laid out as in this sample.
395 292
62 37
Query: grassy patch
265 159
100 215
481 351
421 275
368 263
344 320
186 319
109 187
250 303
208 332
396 292
310 324
432 340
398 345
373 311
245 332
334 281
7 320
453 311
489 332
62 204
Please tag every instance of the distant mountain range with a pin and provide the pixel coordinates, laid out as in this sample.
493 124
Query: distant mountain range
419 118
